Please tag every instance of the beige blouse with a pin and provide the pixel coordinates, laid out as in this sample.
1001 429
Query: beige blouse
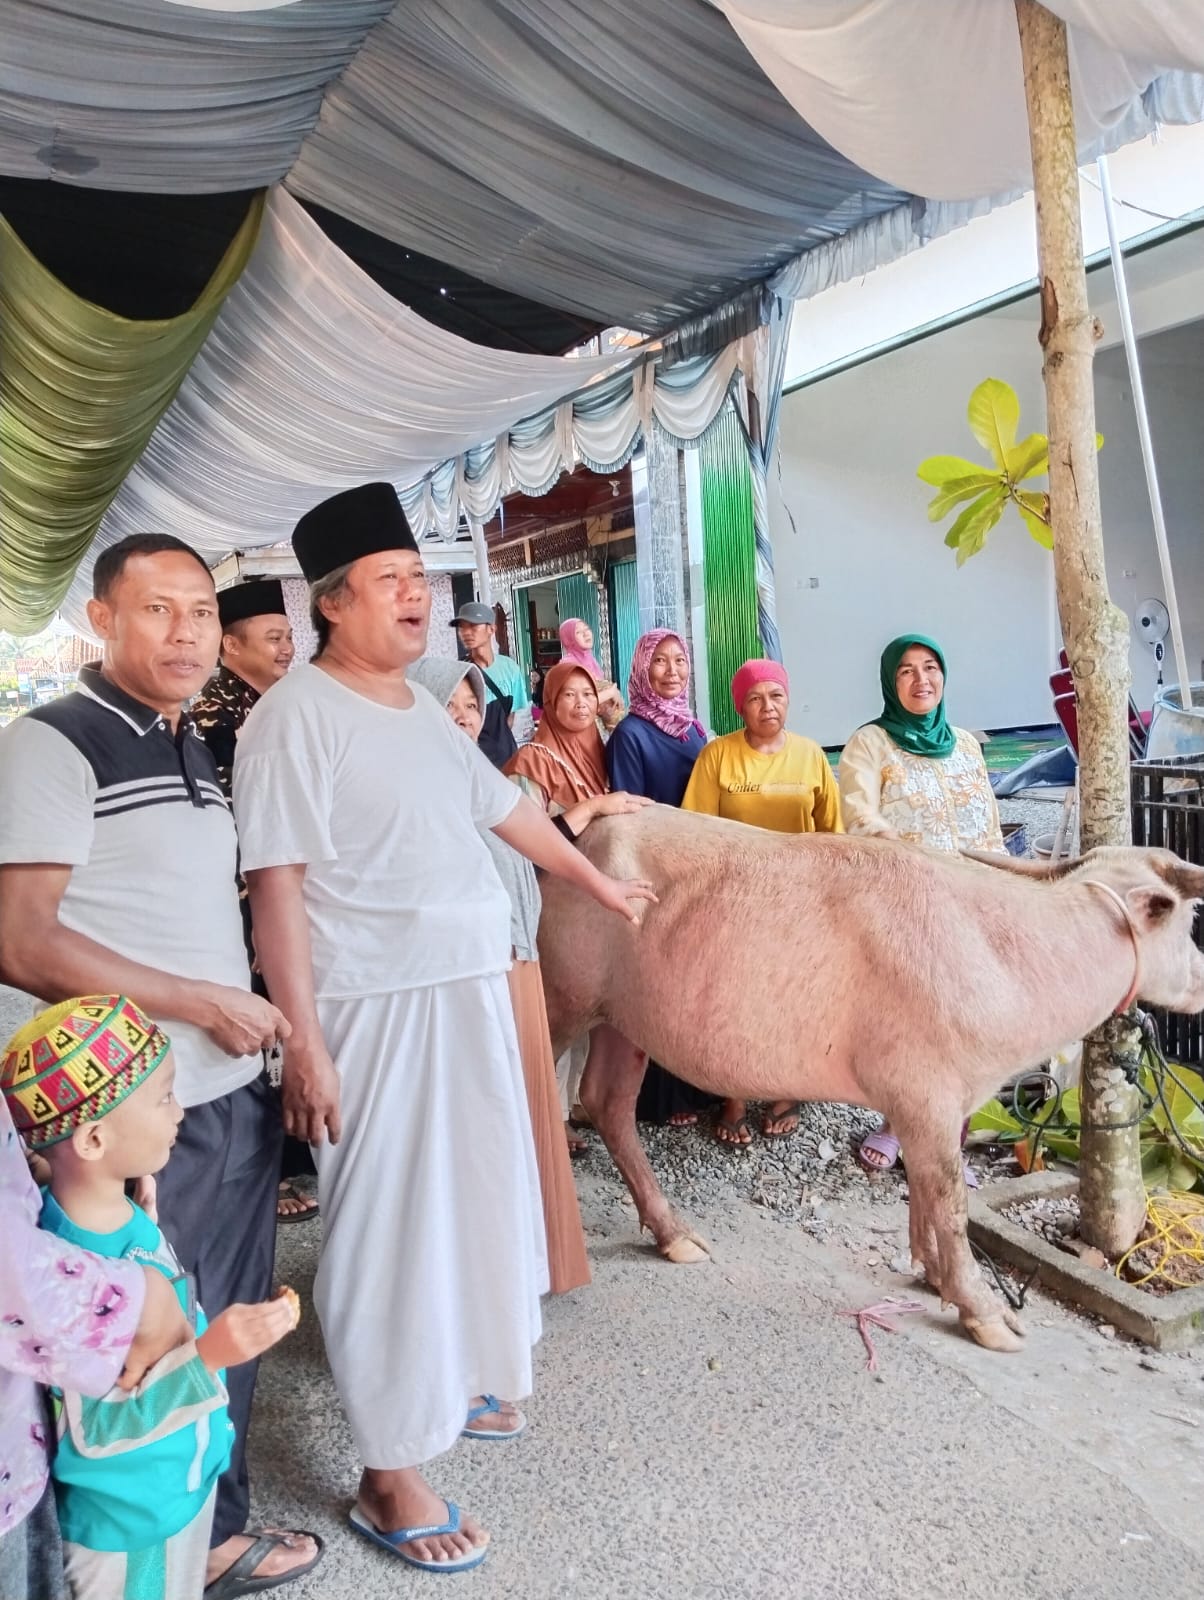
945 803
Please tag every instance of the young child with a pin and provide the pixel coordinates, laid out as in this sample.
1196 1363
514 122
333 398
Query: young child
89 1084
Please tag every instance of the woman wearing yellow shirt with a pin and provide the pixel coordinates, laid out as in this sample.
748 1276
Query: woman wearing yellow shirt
769 778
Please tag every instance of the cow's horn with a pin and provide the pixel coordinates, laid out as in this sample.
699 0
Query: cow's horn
1026 869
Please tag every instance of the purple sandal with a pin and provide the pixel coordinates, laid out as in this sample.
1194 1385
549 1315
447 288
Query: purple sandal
887 1146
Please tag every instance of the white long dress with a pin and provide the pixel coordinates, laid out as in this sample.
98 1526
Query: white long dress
433 1256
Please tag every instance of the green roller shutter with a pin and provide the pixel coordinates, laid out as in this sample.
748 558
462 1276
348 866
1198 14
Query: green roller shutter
577 597
624 618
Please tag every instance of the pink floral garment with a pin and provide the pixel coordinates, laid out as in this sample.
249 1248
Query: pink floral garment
66 1317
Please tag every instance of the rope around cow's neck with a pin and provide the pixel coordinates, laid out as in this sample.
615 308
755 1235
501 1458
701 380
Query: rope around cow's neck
1131 995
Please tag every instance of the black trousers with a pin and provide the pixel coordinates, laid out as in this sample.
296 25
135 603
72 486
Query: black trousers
217 1208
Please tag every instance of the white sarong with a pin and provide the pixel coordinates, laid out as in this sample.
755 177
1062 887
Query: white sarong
433 1255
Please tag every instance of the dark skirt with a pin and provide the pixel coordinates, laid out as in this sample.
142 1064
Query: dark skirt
663 1096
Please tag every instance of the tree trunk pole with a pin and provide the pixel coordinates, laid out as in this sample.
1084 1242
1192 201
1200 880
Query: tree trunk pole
1095 632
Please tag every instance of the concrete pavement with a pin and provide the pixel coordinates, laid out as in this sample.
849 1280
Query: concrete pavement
712 1432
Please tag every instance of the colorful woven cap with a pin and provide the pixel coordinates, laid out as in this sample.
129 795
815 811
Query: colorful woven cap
73 1063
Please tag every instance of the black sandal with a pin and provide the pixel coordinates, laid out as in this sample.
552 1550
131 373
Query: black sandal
286 1191
239 1578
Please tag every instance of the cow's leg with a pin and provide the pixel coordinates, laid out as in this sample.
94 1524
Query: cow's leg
609 1091
938 1233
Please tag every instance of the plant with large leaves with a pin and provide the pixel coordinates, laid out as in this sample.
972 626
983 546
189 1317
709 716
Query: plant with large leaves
985 492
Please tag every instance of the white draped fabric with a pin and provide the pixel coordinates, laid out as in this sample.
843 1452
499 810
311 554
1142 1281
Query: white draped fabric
314 379
928 94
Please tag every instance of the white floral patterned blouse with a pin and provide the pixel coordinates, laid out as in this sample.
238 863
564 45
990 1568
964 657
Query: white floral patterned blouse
945 803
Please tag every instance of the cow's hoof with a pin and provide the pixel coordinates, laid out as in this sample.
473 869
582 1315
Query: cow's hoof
685 1250
1003 1331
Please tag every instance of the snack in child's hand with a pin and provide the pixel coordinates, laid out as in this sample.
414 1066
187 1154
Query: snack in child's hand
294 1302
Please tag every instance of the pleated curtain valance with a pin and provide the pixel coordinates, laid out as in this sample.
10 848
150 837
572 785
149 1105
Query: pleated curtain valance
81 390
314 378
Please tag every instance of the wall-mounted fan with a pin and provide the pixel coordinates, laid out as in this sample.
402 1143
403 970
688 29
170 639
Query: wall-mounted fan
1153 623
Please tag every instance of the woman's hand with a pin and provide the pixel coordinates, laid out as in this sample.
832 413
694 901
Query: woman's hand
618 894
161 1327
146 1196
610 705
617 804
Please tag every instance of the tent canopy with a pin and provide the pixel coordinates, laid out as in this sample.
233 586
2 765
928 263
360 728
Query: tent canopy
508 175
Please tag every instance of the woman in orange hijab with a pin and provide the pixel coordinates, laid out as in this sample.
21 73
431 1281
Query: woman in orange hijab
563 770
565 763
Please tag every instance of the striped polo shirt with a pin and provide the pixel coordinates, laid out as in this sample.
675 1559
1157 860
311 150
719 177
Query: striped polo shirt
98 782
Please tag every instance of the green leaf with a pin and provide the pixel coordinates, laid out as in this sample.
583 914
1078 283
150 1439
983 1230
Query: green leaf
969 533
958 489
994 415
994 1117
1181 1173
941 470
1029 458
1156 1167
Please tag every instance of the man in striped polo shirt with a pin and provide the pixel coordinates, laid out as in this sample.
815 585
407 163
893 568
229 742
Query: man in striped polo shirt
118 863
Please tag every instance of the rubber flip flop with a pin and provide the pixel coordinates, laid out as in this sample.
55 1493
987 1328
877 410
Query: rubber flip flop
790 1111
732 1127
239 1579
491 1408
402 1536
312 1208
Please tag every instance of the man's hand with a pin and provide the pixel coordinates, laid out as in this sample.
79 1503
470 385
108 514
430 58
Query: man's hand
617 894
240 1022
162 1327
241 1333
310 1092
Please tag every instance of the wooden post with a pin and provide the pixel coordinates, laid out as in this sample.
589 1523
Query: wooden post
1094 631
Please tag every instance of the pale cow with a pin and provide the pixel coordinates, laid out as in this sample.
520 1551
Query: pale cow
825 967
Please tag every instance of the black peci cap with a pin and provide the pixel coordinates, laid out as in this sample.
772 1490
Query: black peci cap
358 522
260 597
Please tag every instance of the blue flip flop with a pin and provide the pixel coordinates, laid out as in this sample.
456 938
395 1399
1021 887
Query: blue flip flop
491 1407
394 1541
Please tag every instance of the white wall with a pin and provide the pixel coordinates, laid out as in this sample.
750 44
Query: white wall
994 253
1173 372
849 448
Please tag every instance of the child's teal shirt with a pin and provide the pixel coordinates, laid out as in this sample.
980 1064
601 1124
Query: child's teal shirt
131 1470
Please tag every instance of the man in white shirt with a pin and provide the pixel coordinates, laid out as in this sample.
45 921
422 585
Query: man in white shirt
118 863
384 933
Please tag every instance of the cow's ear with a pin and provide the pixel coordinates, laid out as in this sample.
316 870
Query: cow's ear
1151 907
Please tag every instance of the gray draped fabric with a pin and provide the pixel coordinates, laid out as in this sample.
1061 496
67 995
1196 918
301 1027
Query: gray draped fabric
529 142
167 99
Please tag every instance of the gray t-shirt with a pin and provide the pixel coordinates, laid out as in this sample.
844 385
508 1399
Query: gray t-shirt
97 782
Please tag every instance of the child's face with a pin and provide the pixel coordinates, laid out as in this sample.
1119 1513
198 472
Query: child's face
137 1135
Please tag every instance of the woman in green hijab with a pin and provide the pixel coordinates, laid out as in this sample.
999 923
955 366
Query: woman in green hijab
910 775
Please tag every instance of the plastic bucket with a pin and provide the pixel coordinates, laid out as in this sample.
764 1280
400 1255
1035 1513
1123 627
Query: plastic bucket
1174 729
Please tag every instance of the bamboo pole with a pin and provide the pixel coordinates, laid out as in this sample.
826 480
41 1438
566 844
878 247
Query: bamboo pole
1095 632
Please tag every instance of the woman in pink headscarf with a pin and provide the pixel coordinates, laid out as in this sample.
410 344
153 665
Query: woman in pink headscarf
652 752
577 646
771 778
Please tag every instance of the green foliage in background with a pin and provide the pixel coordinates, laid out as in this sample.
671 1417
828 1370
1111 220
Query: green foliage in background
1167 1162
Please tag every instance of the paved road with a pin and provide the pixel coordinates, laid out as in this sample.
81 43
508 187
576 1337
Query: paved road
712 1432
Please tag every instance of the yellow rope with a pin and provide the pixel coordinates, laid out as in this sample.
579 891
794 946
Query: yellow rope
1175 1221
